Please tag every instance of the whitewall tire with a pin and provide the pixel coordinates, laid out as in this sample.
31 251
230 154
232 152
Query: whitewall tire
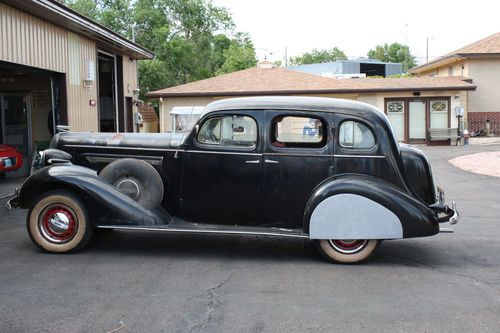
347 251
58 222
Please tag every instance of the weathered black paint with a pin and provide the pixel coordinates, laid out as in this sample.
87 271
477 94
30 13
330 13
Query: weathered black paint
106 205
208 184
416 218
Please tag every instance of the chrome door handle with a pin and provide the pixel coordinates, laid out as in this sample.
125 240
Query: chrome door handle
271 161
253 162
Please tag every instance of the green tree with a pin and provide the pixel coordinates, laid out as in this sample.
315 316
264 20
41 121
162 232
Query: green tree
116 15
319 56
394 52
86 8
153 75
192 39
239 55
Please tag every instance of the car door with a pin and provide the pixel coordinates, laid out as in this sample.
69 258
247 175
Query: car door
222 170
357 150
298 156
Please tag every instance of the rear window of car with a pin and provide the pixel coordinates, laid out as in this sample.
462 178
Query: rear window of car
353 134
298 132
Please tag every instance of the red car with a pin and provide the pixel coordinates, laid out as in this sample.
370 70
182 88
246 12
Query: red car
10 158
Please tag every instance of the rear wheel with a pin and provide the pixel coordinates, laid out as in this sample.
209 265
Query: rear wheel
57 222
347 251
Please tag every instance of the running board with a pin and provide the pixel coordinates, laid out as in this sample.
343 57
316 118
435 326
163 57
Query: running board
199 228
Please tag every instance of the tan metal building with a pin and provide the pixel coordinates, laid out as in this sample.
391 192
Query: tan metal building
413 105
60 68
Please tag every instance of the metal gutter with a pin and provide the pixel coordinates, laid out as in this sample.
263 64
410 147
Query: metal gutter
294 92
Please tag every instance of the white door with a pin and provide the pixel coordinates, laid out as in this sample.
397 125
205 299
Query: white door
439 114
396 115
416 120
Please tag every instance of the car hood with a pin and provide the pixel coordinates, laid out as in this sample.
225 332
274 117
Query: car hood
133 140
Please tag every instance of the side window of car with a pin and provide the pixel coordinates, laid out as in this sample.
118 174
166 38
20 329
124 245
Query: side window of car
301 132
229 131
239 131
353 134
210 131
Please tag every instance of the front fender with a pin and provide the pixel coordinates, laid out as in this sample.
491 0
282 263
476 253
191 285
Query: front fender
105 204
357 206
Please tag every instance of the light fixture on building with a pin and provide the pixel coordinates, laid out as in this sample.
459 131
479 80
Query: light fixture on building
136 92
459 111
90 73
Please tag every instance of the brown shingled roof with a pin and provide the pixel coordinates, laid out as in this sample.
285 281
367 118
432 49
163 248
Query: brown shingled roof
489 46
272 81
148 113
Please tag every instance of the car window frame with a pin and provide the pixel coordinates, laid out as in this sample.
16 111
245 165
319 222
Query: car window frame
220 147
299 114
356 149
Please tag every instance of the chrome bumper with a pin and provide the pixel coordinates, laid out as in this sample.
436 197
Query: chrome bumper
14 201
448 214
455 217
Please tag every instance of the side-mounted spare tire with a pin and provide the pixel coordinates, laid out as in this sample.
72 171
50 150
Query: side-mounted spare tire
137 179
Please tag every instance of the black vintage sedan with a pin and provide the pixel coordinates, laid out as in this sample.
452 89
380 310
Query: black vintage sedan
328 170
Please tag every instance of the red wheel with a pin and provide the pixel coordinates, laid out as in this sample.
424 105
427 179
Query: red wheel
348 246
347 251
57 222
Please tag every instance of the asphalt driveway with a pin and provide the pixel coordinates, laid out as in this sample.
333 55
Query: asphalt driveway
148 282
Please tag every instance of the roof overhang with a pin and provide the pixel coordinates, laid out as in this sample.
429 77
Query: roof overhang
303 92
443 61
450 59
60 15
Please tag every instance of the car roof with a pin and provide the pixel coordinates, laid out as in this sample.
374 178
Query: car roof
321 104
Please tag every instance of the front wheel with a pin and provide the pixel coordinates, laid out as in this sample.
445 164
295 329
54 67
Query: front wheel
347 251
58 222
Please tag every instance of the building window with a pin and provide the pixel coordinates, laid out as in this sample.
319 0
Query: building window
299 132
439 113
450 71
353 134
395 113
229 131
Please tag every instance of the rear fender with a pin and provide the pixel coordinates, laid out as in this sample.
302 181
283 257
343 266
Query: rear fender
363 207
105 204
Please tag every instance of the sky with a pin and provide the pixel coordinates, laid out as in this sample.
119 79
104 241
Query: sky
357 26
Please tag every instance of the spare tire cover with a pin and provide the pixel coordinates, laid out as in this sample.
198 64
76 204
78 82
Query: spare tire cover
137 179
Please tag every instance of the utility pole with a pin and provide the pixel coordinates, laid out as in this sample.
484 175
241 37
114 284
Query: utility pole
407 50
286 57
427 49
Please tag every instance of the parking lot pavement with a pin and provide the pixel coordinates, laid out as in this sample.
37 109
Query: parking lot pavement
168 283
8 186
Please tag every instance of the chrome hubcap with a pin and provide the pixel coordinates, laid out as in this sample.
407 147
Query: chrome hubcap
129 187
58 223
348 246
